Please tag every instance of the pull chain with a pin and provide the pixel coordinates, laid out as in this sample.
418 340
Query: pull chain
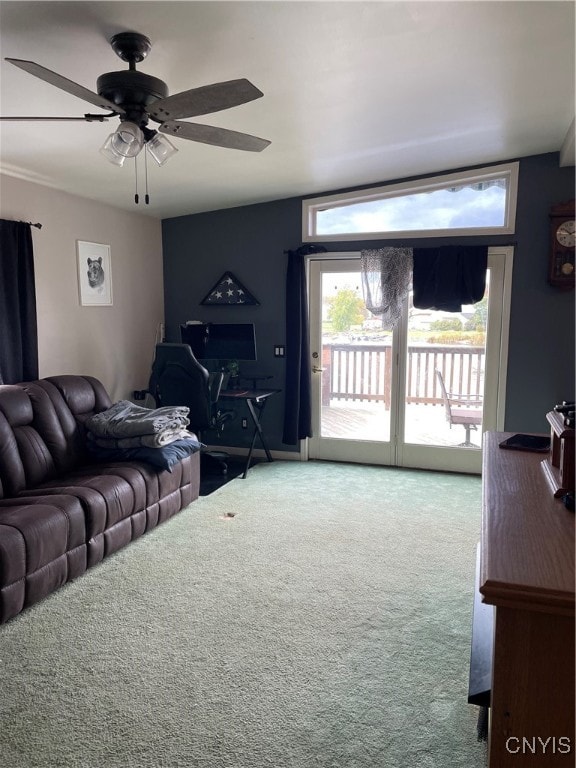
136 195
147 196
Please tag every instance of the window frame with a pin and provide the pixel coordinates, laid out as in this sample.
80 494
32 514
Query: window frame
508 171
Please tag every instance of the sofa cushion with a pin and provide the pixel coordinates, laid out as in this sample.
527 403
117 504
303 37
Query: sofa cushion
40 436
25 459
61 404
106 498
84 395
109 492
42 545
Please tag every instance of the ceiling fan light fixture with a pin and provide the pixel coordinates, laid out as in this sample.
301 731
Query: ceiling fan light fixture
128 139
107 149
160 148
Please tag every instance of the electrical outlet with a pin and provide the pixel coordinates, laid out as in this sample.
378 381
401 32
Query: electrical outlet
244 423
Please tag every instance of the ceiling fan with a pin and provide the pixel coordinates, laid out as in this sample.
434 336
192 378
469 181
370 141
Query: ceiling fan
137 98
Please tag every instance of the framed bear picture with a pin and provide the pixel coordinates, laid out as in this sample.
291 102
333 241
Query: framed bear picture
94 274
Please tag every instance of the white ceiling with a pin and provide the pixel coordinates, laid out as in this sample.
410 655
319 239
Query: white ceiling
354 92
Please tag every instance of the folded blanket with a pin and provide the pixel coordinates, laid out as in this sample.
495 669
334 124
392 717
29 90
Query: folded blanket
162 458
157 440
125 419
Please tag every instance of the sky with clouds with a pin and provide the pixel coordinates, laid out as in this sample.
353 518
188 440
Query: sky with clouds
440 209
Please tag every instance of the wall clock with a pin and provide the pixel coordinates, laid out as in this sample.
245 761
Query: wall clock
561 268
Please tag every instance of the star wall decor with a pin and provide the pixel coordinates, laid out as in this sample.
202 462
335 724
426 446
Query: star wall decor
229 290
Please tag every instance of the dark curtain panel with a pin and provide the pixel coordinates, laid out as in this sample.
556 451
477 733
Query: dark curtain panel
298 407
19 336
447 277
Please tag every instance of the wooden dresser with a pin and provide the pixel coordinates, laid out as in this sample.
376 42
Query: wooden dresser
527 573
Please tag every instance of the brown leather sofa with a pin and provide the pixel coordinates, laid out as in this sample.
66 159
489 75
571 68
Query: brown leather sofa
62 511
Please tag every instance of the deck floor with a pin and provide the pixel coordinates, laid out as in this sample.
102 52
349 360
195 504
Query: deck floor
425 424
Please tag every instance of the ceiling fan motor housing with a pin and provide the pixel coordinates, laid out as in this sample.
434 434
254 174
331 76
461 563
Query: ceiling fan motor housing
133 91
132 47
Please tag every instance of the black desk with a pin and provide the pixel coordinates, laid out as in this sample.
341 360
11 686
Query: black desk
256 400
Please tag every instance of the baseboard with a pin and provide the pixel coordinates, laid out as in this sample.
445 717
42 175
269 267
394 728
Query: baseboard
258 453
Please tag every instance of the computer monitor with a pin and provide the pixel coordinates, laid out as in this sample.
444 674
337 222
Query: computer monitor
220 341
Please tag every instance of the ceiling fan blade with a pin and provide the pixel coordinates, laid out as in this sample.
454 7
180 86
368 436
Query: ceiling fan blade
86 118
204 100
218 137
66 85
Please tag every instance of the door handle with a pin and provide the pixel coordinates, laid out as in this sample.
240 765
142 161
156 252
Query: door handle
317 369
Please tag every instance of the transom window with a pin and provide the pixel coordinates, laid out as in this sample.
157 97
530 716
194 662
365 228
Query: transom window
475 202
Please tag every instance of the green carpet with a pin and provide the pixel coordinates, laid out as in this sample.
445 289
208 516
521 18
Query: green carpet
325 625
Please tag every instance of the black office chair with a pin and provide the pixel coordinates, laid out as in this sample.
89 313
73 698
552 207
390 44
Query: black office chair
178 378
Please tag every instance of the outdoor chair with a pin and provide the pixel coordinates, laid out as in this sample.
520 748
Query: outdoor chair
463 410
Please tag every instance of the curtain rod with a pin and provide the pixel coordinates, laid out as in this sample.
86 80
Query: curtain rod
37 225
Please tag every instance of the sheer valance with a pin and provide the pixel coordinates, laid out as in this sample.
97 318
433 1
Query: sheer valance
442 278
386 277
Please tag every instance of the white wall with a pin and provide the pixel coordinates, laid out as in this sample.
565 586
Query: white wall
115 344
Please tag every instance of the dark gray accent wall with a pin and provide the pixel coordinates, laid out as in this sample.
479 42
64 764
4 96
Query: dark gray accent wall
251 242
541 350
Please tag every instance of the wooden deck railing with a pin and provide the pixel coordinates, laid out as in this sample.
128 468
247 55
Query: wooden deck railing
364 372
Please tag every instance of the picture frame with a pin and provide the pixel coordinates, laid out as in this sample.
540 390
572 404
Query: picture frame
94 274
